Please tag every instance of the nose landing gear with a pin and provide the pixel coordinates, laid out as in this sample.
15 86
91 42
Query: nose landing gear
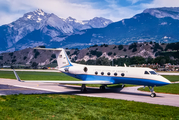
152 92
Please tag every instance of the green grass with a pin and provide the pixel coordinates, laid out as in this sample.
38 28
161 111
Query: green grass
26 75
172 78
61 107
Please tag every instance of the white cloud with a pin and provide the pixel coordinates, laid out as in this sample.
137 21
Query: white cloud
161 3
65 8
117 12
134 1
61 8
8 18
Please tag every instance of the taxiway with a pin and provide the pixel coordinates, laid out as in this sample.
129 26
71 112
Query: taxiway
10 86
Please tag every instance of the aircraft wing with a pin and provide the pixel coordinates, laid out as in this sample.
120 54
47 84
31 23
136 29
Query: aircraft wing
65 82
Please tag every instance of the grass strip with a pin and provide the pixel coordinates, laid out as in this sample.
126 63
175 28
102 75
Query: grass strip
55 106
28 75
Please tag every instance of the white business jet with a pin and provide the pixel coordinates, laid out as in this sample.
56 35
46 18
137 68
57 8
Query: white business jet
104 75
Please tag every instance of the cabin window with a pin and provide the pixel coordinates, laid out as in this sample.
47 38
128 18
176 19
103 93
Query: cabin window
115 74
122 74
96 73
85 69
153 72
146 72
108 73
102 73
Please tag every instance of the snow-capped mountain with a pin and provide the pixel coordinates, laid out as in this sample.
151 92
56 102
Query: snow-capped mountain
155 24
26 24
97 22
49 23
40 28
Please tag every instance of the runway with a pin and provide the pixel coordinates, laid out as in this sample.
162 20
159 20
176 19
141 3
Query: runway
9 86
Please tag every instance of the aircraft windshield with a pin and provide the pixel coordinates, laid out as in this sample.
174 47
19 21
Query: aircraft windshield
153 72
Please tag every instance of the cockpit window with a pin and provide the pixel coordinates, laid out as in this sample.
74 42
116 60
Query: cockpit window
146 72
153 72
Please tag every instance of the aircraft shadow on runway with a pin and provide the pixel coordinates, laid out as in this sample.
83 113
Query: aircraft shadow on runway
91 90
8 90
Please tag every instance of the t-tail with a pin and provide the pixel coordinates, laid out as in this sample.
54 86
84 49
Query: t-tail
61 56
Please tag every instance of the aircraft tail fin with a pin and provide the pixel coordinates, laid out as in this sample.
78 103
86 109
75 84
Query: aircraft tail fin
61 56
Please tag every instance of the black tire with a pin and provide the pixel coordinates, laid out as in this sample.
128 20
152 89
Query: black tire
83 90
153 95
102 87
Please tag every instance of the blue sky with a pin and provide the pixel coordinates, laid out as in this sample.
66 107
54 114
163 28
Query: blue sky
116 10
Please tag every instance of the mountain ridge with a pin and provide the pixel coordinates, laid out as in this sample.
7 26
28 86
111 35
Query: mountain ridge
142 27
49 24
155 24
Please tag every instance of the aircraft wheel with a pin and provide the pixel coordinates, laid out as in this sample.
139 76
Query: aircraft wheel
153 95
102 87
83 90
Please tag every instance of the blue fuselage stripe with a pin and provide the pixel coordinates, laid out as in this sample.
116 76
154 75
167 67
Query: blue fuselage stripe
118 80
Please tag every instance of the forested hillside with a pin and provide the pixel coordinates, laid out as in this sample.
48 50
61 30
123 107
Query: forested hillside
136 53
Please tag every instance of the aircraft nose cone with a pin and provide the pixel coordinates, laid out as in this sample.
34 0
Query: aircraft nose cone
166 81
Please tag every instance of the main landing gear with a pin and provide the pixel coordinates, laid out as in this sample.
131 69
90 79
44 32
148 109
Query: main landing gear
83 88
102 87
152 92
